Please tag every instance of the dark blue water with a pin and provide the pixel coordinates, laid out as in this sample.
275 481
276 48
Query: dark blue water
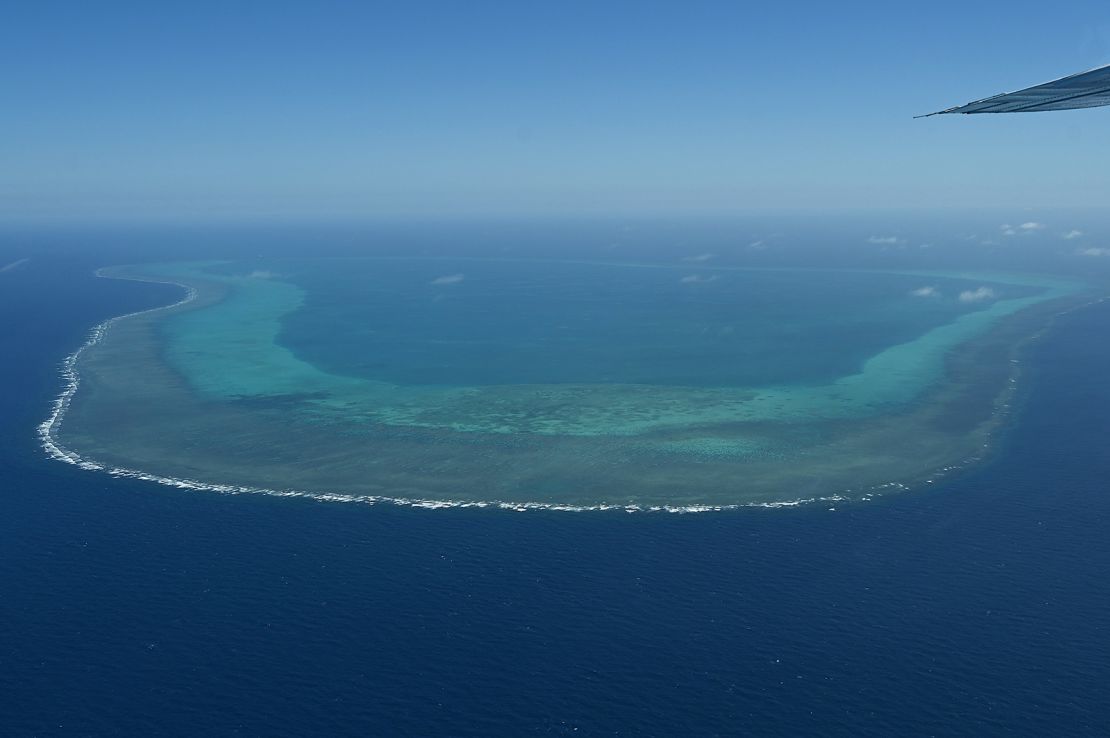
126 608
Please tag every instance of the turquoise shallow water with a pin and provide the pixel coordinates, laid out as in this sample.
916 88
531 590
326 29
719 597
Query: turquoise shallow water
392 335
558 382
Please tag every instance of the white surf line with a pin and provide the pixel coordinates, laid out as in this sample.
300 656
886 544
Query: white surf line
47 431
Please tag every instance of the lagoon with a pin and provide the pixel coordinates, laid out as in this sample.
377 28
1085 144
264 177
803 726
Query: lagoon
546 383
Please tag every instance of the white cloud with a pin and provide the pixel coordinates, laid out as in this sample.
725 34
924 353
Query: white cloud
699 257
925 292
885 240
448 279
1093 252
977 295
697 278
757 245
1071 235
13 266
1025 229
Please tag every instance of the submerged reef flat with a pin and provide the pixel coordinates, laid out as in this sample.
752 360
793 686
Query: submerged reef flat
572 385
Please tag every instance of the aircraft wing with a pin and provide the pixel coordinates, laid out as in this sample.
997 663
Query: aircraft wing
1084 90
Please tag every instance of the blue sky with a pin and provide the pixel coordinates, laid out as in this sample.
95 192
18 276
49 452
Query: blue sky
317 110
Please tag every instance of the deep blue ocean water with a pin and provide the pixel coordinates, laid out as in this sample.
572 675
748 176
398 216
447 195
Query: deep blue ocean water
126 608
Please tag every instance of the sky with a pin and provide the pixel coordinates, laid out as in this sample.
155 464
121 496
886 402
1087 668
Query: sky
262 110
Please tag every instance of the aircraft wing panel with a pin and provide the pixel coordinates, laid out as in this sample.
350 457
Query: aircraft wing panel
1084 90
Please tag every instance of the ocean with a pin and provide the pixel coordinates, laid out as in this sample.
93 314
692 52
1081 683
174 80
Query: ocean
973 606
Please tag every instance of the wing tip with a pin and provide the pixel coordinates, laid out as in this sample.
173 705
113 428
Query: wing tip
939 112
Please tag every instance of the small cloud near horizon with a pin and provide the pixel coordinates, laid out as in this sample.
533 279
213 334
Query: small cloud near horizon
698 279
14 265
929 291
448 279
977 295
700 257
1071 235
1093 252
885 240
1025 229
